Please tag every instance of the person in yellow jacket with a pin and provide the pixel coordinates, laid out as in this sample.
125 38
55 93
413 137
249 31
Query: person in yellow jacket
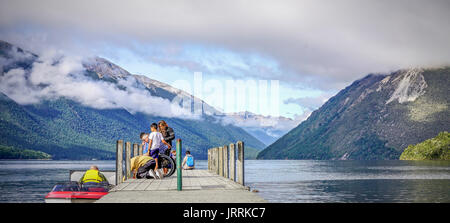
142 167
93 175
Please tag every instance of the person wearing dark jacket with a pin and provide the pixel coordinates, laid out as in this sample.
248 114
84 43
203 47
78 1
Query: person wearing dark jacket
167 133
168 136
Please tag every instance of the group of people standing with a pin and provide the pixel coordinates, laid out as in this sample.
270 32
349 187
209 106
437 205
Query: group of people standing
158 141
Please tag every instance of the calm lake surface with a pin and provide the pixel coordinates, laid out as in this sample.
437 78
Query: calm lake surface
276 180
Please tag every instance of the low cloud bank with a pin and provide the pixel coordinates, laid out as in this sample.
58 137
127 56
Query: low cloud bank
52 76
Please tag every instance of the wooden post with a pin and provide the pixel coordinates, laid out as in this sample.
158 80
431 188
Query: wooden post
209 159
179 167
216 157
220 157
135 149
240 162
119 161
127 160
225 161
213 160
141 150
232 162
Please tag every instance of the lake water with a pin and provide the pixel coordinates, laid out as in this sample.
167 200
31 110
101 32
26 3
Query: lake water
276 180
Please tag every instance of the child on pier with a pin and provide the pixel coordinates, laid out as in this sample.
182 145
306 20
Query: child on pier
156 142
146 153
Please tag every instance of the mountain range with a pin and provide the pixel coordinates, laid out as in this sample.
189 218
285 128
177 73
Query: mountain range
375 117
83 125
265 128
76 110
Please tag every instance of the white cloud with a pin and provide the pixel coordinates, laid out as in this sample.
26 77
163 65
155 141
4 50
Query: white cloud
311 103
53 76
266 123
320 43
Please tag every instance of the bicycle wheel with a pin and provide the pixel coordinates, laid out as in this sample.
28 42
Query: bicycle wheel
167 162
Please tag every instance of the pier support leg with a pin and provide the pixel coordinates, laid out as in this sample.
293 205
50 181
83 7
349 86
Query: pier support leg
213 160
209 159
220 155
225 161
135 149
240 162
119 161
127 160
216 160
232 162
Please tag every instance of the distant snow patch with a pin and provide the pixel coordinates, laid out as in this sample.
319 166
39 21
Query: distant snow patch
383 82
410 87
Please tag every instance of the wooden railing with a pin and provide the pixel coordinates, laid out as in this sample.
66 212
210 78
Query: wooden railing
122 174
228 161
137 150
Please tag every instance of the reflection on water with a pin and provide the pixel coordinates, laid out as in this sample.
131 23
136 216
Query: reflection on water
276 180
350 181
378 190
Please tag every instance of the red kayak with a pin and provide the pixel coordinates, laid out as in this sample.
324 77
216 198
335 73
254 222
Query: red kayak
75 193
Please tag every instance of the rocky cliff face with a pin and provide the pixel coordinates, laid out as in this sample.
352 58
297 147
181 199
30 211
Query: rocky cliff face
376 117
105 69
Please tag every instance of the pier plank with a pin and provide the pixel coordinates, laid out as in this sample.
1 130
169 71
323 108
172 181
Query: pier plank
198 186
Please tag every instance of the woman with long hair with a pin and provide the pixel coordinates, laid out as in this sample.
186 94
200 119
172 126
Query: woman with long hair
167 133
168 136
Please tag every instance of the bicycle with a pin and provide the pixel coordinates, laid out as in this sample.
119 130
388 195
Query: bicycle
165 161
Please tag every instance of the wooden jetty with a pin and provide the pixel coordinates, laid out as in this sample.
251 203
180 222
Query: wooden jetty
222 182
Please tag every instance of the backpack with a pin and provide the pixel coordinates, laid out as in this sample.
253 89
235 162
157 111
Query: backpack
190 161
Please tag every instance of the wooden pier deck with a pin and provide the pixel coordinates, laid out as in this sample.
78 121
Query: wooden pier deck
199 186
218 184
